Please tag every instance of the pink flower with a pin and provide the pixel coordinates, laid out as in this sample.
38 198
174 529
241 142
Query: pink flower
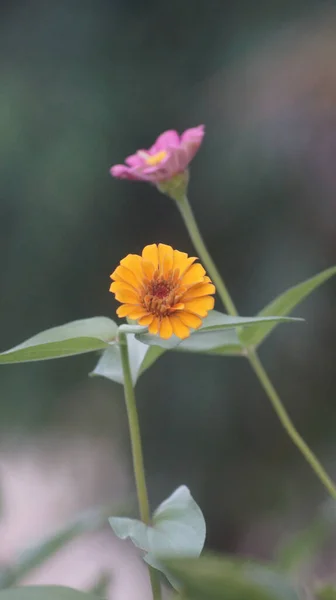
170 155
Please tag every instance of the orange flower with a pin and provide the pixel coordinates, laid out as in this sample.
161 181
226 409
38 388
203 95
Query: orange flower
164 290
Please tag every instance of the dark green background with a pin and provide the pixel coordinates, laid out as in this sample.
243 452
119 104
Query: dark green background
85 83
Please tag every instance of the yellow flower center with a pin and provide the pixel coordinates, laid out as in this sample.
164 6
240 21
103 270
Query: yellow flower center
155 159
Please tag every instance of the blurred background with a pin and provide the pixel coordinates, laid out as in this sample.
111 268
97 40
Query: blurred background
83 84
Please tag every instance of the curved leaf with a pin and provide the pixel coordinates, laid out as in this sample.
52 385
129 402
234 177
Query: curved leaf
178 529
78 337
283 305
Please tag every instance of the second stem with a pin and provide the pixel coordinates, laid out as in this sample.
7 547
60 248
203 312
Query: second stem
204 255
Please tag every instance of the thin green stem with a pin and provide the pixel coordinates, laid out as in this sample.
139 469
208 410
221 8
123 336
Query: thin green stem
196 238
288 425
138 463
251 354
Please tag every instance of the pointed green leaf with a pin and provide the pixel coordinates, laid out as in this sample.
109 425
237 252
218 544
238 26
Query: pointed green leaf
73 338
283 305
219 578
45 592
178 529
215 323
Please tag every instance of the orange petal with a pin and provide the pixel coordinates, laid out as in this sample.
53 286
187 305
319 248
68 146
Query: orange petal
193 275
182 261
148 269
146 320
124 274
154 326
166 330
133 263
150 254
125 296
189 319
166 256
200 306
124 310
196 291
179 328
119 286
137 313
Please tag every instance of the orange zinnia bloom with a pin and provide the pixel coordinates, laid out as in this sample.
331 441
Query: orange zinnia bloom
164 290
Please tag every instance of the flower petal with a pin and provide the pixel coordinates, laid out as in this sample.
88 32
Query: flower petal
124 274
166 256
148 269
200 306
133 262
193 275
166 330
196 291
146 320
124 310
125 296
119 286
179 328
137 313
189 319
150 254
123 172
167 139
182 261
154 326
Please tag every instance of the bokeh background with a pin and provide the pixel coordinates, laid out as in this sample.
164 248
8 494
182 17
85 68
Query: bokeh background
84 84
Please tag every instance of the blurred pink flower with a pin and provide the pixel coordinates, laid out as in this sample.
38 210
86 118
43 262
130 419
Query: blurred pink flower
169 156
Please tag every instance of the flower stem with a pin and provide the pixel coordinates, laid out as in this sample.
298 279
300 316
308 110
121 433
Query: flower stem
138 463
196 237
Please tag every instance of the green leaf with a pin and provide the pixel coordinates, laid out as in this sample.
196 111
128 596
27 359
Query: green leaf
141 357
215 323
283 305
220 578
73 338
178 529
45 592
327 592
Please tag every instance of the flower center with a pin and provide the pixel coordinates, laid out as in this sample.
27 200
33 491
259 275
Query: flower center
160 294
160 289
154 159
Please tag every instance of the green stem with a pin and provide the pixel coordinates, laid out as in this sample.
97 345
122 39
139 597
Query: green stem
251 354
288 425
208 263
138 463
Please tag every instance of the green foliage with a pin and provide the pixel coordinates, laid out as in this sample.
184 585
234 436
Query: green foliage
177 530
211 334
221 578
73 338
327 592
283 305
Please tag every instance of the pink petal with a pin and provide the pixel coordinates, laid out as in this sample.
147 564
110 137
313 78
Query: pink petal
191 140
122 172
168 139
134 160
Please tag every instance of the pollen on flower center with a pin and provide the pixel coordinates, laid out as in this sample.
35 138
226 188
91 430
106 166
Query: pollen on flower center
155 159
160 289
